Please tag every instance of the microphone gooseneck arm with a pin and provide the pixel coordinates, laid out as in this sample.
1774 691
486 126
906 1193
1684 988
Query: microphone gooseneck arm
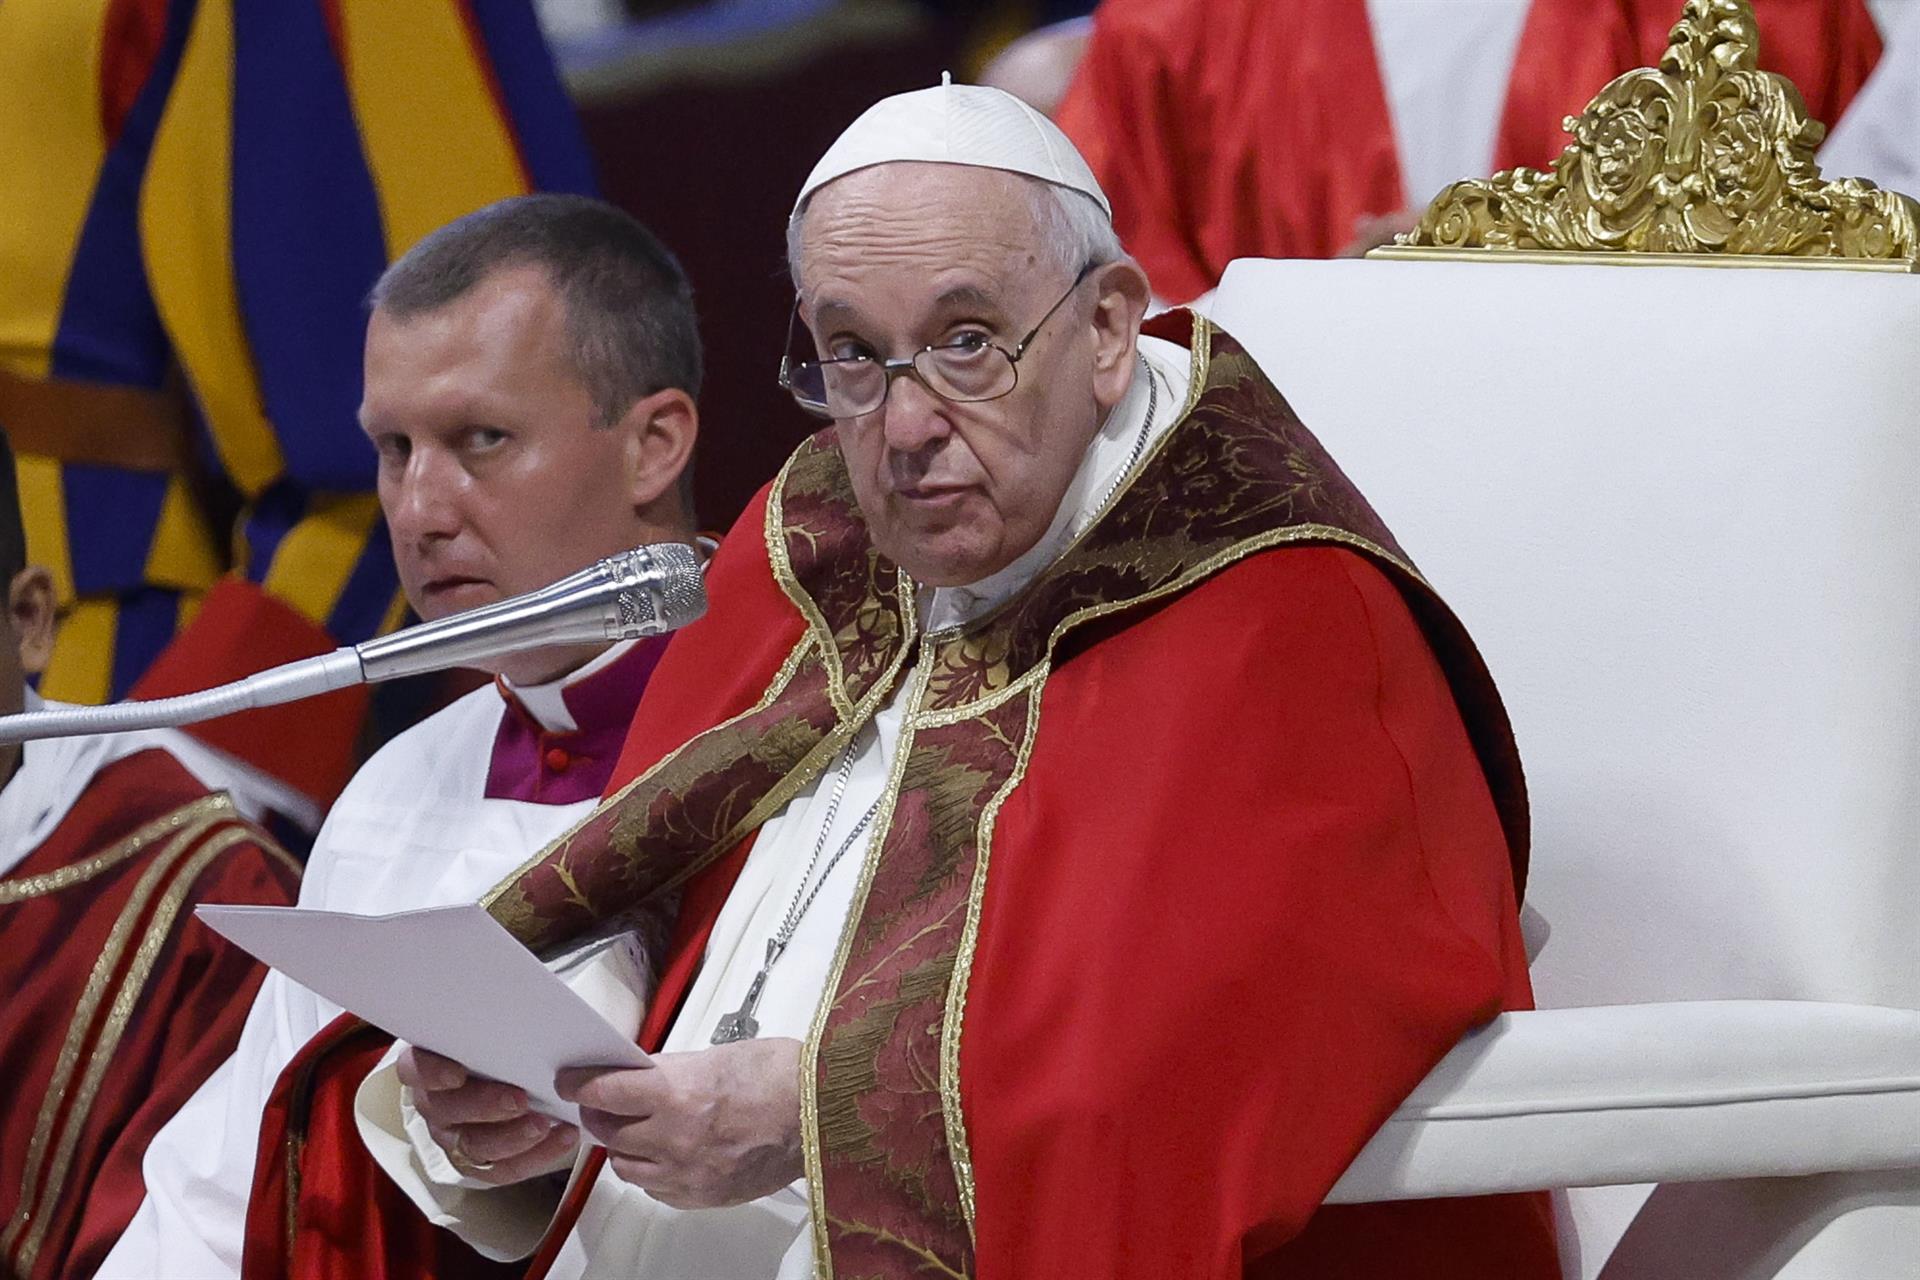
647 591
307 678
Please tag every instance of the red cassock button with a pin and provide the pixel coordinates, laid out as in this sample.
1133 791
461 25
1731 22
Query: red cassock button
558 758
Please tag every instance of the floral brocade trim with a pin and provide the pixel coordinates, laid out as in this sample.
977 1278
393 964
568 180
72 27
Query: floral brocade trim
499 899
857 605
880 1122
812 1148
782 545
954 1019
677 817
700 800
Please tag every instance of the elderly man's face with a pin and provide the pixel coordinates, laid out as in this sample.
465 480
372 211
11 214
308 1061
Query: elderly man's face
496 473
900 256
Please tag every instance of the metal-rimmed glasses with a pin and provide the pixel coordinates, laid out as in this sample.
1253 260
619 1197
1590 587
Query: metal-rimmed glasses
965 371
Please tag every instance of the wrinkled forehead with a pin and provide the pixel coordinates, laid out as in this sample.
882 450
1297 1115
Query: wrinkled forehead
911 220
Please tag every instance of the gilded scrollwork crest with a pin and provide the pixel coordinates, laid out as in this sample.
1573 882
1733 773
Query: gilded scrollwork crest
1706 154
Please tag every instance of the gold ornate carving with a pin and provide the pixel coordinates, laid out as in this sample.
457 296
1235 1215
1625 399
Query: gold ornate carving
1705 155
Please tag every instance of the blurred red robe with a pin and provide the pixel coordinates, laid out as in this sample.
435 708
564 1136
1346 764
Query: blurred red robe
118 1003
1223 129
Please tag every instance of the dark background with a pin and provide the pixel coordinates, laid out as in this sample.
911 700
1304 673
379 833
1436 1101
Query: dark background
710 156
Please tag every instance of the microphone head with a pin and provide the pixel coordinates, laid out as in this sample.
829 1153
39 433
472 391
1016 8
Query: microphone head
643 592
662 588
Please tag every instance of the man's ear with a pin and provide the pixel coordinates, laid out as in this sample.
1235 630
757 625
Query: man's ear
659 431
1120 304
31 608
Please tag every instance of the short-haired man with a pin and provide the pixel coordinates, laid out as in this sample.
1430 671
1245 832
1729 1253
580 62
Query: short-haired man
1128 828
115 1003
529 386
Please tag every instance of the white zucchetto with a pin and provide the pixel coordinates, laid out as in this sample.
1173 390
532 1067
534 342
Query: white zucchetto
957 124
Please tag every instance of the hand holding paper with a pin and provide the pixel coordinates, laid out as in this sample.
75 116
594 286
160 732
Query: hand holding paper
449 979
484 1128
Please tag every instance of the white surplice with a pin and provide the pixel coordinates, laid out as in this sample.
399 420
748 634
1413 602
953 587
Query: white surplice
622 1231
414 828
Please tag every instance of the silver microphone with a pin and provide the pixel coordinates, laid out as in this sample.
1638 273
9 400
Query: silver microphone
643 592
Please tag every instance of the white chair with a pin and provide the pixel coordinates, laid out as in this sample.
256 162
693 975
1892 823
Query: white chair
1679 509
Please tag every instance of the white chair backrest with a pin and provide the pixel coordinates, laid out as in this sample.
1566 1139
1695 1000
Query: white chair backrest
1679 508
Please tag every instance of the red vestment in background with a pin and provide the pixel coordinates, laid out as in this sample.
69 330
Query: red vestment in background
1223 129
115 1003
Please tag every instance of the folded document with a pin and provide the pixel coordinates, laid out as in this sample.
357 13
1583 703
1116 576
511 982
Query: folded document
449 979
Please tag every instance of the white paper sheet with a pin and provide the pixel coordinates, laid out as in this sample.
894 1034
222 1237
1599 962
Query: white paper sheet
449 979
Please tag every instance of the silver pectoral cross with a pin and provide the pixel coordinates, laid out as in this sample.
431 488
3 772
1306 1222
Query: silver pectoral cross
741 1024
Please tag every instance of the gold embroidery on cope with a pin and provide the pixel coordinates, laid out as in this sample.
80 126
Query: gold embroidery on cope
779 536
775 688
955 1013
812 1136
701 799
653 841
879 1058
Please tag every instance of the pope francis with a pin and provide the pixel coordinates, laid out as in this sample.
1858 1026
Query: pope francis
1088 823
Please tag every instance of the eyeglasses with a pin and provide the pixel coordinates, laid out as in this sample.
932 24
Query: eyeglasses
965 371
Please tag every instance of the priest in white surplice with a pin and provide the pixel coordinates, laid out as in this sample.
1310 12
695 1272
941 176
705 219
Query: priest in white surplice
530 380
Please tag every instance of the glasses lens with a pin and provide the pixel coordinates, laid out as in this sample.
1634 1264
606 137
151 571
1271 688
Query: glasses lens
852 387
808 387
966 371
837 388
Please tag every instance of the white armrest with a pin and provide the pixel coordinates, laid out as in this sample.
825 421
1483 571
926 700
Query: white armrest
1677 1092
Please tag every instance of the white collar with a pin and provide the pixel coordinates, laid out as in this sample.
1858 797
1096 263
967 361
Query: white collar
547 702
1103 464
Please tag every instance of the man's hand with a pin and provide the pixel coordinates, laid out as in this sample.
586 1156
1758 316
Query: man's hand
720 1126
485 1127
